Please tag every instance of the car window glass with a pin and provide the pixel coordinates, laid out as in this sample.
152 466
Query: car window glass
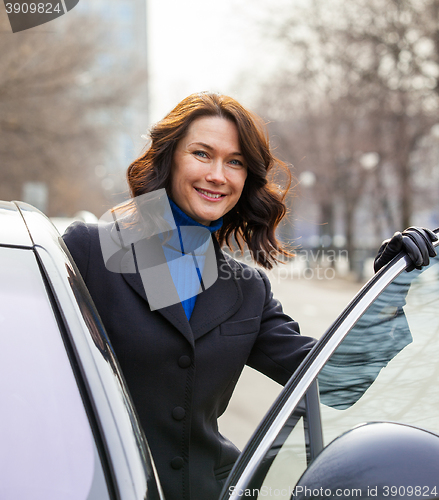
289 463
286 460
386 367
48 451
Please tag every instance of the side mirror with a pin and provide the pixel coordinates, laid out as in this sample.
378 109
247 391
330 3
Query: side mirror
379 460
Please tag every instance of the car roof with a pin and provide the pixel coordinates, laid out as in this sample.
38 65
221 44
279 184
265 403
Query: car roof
13 229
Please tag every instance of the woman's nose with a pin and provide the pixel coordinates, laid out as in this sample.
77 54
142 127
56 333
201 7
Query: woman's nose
216 173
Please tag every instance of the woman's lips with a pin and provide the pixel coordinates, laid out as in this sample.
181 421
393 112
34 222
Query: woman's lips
210 195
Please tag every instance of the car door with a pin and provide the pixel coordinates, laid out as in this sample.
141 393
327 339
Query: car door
68 429
377 363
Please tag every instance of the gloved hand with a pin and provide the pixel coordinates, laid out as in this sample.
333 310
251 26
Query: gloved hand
416 241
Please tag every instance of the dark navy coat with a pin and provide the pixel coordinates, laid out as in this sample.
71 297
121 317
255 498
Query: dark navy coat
180 373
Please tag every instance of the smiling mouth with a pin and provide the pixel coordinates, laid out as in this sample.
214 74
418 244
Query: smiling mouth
210 195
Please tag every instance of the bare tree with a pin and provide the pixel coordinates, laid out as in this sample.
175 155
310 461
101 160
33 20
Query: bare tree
57 110
361 80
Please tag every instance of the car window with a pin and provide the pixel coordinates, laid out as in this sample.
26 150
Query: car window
47 448
384 369
298 442
289 460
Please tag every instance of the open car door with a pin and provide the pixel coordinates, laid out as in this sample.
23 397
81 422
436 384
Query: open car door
360 415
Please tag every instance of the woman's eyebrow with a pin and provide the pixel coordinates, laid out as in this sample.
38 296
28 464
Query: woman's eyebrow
210 148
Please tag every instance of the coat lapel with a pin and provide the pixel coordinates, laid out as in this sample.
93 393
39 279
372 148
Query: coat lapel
220 301
174 314
212 307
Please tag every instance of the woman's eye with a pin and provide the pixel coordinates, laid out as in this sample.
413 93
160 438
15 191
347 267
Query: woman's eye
201 154
236 163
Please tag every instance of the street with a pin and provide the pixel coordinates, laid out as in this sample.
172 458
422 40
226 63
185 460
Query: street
315 304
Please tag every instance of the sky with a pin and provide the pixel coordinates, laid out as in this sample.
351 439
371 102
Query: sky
198 45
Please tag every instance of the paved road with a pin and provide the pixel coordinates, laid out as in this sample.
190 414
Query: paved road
315 304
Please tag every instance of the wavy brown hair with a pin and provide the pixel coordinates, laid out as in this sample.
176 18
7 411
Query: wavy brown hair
261 207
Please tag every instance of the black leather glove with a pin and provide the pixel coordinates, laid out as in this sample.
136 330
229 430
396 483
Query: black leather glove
416 241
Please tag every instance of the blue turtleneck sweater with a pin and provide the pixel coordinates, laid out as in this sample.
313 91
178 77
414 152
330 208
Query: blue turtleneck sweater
184 278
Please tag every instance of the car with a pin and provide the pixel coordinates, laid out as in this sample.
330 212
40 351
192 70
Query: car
358 418
68 429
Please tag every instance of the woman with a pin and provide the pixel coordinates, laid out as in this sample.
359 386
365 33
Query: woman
182 362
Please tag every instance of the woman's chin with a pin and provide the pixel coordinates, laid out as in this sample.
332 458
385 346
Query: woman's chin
207 216
206 221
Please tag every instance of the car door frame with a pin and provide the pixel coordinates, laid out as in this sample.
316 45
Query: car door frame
303 385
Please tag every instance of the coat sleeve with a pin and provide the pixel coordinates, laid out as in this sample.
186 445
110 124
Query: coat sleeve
77 240
279 348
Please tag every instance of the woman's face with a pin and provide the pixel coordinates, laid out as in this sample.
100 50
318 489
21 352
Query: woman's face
208 169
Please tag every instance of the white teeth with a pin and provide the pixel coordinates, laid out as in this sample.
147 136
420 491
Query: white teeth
210 195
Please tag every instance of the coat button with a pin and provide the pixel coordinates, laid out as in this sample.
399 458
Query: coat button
178 413
177 463
184 362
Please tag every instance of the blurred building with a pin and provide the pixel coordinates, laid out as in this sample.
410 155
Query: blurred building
72 129
126 37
